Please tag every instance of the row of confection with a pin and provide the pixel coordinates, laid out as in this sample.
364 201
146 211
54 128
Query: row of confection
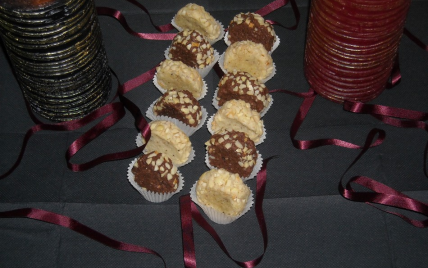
241 100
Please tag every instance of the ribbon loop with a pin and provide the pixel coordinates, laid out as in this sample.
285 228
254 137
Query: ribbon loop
189 210
106 11
308 99
276 5
381 193
375 109
64 221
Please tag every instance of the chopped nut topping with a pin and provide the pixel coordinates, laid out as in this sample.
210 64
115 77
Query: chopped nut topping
198 53
150 177
255 29
223 191
180 105
168 139
227 148
194 17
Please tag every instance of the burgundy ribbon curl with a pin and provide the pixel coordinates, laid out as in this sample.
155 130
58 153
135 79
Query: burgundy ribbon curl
308 99
385 111
396 73
114 111
64 221
276 5
189 210
106 11
381 193
140 123
395 78
393 116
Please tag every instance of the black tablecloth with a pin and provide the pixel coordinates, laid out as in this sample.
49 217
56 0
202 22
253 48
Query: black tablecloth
309 223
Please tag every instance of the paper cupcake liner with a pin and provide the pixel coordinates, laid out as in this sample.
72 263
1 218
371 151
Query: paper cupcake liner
211 41
217 216
275 44
188 130
221 64
257 167
204 71
140 142
149 195
261 140
163 90
262 112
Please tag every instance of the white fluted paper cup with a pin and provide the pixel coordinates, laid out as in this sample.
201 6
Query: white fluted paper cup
149 195
215 215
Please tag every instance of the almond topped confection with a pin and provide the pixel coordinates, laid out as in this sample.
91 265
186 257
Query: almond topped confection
194 17
237 115
252 27
232 150
155 172
192 48
249 57
242 86
180 105
176 75
169 140
223 191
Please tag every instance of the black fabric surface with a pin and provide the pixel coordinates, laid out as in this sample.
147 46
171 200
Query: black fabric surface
309 223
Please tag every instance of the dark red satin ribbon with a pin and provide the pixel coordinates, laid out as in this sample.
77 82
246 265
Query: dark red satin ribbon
114 111
188 242
396 73
106 11
276 5
161 28
395 77
140 123
393 116
64 221
416 40
381 193
386 111
308 99
189 210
